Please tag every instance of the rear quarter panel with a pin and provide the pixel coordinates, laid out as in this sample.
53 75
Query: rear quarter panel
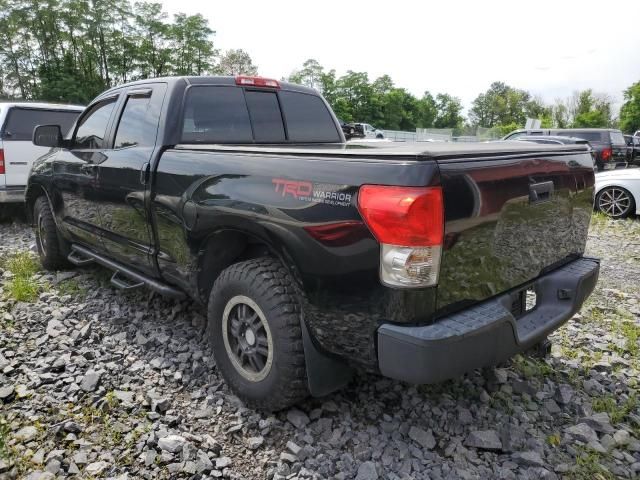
276 199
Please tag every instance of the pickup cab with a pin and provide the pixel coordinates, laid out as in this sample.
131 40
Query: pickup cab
314 257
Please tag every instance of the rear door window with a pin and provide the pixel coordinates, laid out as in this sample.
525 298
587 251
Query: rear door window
140 117
617 138
265 116
589 136
21 121
216 115
308 118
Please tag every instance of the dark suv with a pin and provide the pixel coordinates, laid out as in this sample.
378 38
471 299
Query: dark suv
633 145
608 144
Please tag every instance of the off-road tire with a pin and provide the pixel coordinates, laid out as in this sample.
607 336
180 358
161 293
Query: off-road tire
51 246
268 284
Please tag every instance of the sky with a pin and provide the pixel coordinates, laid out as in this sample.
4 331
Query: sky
550 48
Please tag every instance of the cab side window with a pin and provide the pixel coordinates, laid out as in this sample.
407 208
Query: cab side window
92 128
139 120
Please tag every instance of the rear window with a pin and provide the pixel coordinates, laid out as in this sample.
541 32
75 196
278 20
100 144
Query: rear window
216 115
308 119
589 136
265 116
21 122
228 114
617 138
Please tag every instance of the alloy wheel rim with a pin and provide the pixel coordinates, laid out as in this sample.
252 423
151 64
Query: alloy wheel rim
247 338
615 202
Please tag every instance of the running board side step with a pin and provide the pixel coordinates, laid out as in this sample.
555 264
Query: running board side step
82 256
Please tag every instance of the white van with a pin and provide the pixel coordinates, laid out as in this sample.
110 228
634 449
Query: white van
17 153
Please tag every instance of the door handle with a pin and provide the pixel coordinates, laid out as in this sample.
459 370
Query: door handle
144 173
540 192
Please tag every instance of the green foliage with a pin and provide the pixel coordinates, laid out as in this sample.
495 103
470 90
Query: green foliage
630 110
236 62
69 287
588 467
22 287
591 111
501 105
354 98
71 50
617 409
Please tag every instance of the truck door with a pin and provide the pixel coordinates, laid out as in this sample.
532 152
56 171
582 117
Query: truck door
124 174
75 173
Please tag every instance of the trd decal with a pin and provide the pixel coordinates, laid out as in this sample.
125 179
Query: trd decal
308 192
294 188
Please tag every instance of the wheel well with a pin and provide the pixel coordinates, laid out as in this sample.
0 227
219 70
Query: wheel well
34 192
222 250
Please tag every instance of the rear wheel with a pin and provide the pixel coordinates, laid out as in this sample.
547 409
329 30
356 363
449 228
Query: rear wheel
255 331
616 202
51 246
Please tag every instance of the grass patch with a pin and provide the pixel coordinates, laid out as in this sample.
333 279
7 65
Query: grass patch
588 468
22 287
532 368
599 221
70 287
617 412
4 439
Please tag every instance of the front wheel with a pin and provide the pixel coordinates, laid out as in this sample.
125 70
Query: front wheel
254 328
51 246
616 202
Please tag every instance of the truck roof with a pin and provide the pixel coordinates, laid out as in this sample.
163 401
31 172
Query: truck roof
41 105
209 80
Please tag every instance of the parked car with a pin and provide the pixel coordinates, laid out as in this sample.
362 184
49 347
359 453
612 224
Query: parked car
350 130
617 193
608 144
558 140
633 145
17 152
313 256
369 131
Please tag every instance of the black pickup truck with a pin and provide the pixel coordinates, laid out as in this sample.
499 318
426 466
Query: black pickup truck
312 257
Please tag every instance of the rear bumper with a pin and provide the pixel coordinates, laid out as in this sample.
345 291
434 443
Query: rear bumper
487 333
12 194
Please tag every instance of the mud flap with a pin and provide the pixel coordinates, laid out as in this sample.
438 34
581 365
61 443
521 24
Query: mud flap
325 374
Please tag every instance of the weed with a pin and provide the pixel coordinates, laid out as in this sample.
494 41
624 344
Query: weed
588 467
70 287
554 439
4 439
616 412
22 287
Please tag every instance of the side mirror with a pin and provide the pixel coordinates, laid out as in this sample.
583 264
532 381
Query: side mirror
47 136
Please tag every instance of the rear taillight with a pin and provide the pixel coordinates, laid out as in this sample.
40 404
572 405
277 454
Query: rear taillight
409 224
1 161
256 82
606 154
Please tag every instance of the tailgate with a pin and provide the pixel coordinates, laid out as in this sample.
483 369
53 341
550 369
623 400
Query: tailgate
509 219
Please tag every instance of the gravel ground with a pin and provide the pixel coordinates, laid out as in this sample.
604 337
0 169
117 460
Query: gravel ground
97 383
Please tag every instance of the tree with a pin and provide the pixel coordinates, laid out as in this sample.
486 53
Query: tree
310 75
500 105
590 110
71 50
237 62
449 112
630 110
